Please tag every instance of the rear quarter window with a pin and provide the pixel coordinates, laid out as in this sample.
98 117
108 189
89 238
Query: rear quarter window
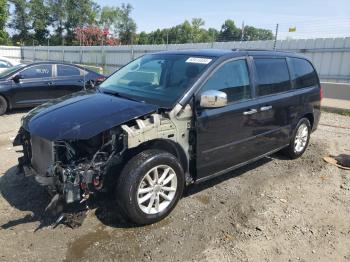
304 74
63 70
272 76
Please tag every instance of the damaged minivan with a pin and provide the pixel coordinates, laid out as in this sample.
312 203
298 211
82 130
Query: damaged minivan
168 120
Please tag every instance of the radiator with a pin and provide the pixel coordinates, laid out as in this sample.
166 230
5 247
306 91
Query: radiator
42 154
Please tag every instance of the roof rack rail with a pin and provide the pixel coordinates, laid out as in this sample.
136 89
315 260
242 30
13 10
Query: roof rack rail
251 49
266 50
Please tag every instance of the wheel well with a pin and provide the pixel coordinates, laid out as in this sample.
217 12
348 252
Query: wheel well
7 101
162 144
310 117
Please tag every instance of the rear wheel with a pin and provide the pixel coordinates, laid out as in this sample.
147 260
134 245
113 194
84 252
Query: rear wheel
300 139
3 105
150 186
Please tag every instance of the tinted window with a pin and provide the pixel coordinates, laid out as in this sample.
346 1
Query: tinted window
63 70
272 76
304 73
233 79
38 71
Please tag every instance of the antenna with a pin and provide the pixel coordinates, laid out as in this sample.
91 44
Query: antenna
275 42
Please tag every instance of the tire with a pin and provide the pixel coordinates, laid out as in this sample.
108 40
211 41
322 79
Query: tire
3 105
300 139
138 190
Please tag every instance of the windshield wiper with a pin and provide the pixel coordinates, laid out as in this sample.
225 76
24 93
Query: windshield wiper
113 93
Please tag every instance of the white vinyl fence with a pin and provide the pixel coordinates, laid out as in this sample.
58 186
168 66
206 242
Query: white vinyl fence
331 56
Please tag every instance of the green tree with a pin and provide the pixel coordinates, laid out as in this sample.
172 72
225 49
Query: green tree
39 15
185 32
3 21
79 13
20 22
197 31
194 32
143 38
253 34
126 26
229 32
67 15
213 34
57 19
110 17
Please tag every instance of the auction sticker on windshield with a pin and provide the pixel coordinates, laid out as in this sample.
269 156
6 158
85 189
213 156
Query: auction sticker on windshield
198 60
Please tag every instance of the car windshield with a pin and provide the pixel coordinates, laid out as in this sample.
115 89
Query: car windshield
10 70
159 79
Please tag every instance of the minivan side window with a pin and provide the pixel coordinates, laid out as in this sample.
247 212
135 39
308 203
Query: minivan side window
304 73
233 79
37 72
272 76
63 70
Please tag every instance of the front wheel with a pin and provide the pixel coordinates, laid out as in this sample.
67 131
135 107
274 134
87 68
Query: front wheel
3 105
150 186
300 139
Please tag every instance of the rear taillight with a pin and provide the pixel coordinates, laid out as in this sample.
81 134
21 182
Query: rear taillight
321 93
100 79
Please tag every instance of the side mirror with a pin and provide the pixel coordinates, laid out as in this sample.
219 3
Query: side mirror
213 99
16 78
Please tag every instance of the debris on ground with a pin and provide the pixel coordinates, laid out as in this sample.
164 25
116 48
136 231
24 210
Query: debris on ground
342 161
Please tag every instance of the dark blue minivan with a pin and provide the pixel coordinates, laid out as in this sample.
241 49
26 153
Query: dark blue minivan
167 120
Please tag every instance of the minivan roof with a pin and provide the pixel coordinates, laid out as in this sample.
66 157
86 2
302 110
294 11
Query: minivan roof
231 52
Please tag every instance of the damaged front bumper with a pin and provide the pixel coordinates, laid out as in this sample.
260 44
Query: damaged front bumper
55 165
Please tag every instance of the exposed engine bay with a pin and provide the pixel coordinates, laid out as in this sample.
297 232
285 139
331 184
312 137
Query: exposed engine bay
73 169
76 169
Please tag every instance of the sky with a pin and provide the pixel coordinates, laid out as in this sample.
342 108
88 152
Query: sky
315 18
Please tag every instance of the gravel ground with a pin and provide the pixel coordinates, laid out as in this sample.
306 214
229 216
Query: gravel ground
273 210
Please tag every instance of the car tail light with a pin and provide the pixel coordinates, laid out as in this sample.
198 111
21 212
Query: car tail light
321 93
100 79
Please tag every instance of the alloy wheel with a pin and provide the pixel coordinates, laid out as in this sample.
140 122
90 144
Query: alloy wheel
157 189
301 138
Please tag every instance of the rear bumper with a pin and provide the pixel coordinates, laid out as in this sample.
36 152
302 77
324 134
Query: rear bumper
317 116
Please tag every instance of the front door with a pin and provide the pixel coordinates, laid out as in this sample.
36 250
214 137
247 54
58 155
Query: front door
225 136
34 86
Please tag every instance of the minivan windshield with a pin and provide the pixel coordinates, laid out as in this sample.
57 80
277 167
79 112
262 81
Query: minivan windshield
159 79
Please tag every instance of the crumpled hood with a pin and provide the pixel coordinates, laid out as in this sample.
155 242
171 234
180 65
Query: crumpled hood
82 115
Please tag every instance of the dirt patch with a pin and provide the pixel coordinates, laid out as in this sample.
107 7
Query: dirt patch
273 210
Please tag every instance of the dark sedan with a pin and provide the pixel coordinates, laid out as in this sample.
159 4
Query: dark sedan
31 85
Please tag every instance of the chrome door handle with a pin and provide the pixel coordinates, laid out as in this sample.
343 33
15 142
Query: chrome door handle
250 112
265 108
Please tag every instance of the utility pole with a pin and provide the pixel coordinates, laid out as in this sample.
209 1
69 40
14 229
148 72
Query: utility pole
276 33
212 39
242 32
48 49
